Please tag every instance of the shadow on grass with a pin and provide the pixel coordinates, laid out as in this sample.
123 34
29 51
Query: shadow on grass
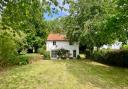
100 76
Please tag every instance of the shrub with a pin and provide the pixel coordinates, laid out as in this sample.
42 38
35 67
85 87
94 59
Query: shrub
98 55
87 53
78 57
46 55
23 60
8 53
125 47
10 44
28 58
41 50
118 58
63 53
23 52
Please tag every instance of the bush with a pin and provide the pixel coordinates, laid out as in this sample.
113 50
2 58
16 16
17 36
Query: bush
23 52
125 47
117 58
28 59
46 55
98 55
10 44
42 50
23 60
63 53
8 53
78 57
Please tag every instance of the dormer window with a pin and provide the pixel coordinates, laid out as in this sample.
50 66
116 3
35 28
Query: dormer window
54 42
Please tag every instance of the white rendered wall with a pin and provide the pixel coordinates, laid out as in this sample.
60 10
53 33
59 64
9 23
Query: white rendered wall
64 45
116 45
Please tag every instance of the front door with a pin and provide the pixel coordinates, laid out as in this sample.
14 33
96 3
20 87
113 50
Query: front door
74 53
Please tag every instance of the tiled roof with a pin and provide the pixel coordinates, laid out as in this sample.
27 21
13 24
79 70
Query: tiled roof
56 37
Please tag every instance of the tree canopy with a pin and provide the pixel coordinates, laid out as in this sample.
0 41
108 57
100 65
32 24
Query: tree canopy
25 16
96 23
92 23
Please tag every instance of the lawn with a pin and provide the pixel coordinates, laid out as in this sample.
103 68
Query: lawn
64 74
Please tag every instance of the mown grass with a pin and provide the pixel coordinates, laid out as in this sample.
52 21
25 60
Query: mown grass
64 74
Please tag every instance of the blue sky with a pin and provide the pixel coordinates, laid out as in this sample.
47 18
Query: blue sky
60 13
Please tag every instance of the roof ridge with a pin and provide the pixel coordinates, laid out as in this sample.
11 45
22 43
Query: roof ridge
57 37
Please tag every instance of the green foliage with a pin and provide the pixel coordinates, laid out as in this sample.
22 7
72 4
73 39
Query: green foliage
8 52
116 25
125 47
78 57
27 17
55 26
96 23
28 58
23 52
28 28
115 58
98 55
86 23
42 50
23 60
118 58
62 53
46 55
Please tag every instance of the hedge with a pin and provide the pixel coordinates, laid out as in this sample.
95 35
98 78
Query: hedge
116 58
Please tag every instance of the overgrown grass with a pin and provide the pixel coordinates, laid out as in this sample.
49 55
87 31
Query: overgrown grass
64 74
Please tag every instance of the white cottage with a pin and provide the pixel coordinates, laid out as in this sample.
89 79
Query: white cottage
59 41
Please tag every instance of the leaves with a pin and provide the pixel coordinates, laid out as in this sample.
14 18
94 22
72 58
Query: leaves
27 17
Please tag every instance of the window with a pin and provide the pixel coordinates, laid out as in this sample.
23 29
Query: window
54 42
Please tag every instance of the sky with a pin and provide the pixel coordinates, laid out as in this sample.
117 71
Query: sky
60 13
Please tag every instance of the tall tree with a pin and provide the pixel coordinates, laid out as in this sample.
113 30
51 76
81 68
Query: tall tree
118 23
86 23
28 17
